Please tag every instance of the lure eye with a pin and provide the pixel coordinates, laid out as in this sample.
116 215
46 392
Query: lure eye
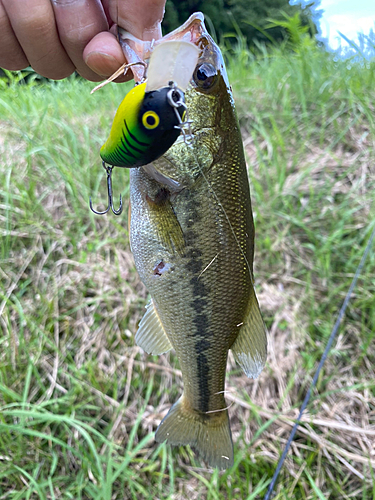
150 120
205 76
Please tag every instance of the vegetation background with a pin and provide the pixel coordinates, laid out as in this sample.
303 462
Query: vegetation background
250 18
80 401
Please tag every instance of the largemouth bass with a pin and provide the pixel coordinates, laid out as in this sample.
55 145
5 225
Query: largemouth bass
192 236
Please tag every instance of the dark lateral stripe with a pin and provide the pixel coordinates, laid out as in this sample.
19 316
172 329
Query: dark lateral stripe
134 138
202 345
203 377
131 145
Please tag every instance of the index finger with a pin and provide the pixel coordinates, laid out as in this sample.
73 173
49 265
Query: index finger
78 22
142 18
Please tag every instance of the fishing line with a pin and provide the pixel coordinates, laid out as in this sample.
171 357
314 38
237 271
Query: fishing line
323 358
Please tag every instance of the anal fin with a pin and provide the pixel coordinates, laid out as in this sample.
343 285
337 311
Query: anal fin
151 335
250 347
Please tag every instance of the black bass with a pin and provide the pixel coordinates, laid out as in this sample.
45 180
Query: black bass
192 236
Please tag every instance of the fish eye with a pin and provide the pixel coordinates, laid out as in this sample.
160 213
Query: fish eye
150 120
205 75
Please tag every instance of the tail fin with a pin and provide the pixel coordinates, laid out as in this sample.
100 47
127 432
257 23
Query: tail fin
208 434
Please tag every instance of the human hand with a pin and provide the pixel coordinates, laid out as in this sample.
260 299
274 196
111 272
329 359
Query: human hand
58 37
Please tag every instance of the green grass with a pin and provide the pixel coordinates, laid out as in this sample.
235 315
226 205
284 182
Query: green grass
79 401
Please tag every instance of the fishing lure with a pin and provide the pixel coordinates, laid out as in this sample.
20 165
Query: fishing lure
145 126
153 114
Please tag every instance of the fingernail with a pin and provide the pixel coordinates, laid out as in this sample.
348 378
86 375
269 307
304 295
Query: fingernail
102 64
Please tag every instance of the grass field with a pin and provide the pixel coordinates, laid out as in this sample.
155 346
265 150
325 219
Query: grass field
80 401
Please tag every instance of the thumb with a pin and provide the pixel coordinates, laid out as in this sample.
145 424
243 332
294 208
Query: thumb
141 18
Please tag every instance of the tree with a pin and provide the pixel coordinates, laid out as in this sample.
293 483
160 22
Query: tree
250 17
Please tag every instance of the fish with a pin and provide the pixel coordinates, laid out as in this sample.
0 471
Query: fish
192 238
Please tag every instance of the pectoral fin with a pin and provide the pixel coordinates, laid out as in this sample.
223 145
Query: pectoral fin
170 231
166 222
151 335
250 347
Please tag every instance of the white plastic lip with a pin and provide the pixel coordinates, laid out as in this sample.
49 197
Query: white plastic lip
172 60
138 50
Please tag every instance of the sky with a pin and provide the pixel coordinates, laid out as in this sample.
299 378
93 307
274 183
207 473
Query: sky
347 16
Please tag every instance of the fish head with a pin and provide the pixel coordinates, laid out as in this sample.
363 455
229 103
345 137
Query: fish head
209 102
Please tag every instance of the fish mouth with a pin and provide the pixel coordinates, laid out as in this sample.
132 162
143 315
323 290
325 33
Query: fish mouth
139 51
194 31
190 31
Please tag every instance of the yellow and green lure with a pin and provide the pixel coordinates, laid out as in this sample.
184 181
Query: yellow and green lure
145 126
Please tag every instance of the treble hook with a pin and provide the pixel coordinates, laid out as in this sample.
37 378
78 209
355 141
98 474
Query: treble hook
108 169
